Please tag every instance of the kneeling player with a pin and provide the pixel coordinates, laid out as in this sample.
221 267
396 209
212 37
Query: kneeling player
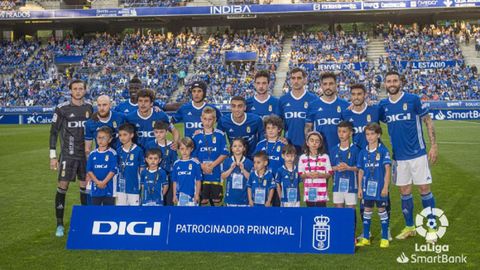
211 150
186 176
154 182
260 184
131 163
287 178
374 178
101 168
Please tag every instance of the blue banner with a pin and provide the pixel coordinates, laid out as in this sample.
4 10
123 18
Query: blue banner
233 9
65 59
332 66
213 229
434 64
455 114
240 56
10 119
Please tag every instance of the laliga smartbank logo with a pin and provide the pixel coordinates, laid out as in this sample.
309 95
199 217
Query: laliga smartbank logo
431 252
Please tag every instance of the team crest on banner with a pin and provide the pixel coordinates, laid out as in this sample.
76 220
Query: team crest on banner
305 105
269 108
369 118
404 106
321 233
248 129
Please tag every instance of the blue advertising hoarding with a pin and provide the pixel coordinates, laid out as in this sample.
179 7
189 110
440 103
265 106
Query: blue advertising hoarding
234 9
213 229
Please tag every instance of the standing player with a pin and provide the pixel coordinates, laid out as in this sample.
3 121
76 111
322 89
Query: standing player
68 123
360 114
325 114
262 104
104 116
294 107
240 124
190 113
131 105
403 113
145 117
211 150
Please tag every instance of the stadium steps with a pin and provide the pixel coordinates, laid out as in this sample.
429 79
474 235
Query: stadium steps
207 3
47 4
472 57
191 72
105 4
375 49
281 74
32 5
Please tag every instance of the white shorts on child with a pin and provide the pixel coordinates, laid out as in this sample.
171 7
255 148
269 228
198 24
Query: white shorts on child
345 198
128 199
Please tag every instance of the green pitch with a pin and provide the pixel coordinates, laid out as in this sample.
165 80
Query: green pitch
27 221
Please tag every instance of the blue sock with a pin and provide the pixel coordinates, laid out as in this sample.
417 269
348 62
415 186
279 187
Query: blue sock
384 220
429 201
367 220
407 209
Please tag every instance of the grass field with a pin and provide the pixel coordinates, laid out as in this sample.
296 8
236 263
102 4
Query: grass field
27 218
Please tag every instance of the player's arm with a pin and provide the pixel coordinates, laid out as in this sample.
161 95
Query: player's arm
172 106
268 203
249 193
93 178
88 147
308 128
176 136
433 153
387 180
228 172
165 189
360 177
279 190
54 131
198 186
174 188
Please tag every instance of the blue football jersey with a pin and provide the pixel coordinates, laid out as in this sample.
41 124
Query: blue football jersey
128 107
265 108
372 163
404 123
144 126
129 163
169 156
208 147
274 152
260 187
289 181
360 120
345 181
153 183
114 121
236 183
186 173
251 130
294 112
191 115
325 117
101 163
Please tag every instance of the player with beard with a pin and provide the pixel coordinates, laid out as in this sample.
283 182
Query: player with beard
68 123
403 113
262 104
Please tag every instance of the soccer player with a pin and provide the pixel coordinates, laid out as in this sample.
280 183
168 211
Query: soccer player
131 105
186 176
211 150
360 114
104 116
236 171
130 163
260 183
68 123
344 165
240 124
294 107
145 117
154 182
326 112
262 103
101 168
374 166
287 178
314 168
272 144
190 113
403 113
